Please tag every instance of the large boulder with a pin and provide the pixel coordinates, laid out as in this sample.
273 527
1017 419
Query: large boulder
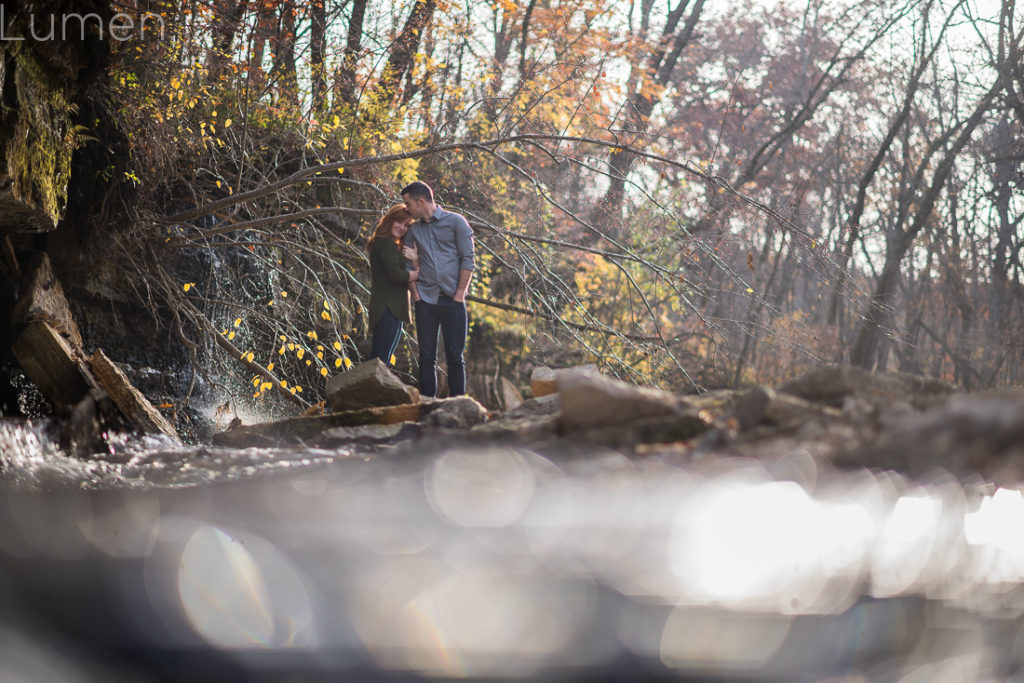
589 400
367 385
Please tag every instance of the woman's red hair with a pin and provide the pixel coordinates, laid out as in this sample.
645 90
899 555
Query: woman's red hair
398 212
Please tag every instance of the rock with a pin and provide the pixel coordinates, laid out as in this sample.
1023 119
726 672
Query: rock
509 397
460 412
53 365
590 400
367 385
42 298
765 405
544 380
302 429
494 393
750 409
650 430
969 434
833 384
366 434
534 407
133 405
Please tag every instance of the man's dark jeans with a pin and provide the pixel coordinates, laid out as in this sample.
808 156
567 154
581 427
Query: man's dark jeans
449 317
386 333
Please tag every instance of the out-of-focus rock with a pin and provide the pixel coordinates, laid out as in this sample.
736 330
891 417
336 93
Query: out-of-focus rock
833 384
590 400
970 434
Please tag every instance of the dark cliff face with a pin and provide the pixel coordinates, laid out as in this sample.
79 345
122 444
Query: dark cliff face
51 57
61 164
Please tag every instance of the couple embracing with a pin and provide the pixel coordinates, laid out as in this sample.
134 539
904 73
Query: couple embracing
418 248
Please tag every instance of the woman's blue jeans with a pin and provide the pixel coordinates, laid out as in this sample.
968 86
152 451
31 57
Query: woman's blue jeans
386 333
447 316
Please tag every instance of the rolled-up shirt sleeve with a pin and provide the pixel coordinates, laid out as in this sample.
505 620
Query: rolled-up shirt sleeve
464 245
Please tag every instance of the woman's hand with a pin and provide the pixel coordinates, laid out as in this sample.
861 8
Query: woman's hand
414 275
412 254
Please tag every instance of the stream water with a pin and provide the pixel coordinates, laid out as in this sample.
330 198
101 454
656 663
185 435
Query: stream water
439 559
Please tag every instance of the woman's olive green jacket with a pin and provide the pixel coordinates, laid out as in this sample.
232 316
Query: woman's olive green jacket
389 281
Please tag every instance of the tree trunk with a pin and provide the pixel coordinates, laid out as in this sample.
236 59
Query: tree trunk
345 80
317 51
403 50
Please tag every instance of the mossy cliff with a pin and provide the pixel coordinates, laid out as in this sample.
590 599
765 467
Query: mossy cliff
41 84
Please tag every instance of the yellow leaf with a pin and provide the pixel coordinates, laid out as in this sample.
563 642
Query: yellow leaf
270 366
284 295
284 383
323 371
337 363
280 351
309 362
218 183
337 346
231 334
188 285
320 355
298 389
227 123
283 338
300 353
311 334
326 305
348 363
749 290
393 359
325 315
238 321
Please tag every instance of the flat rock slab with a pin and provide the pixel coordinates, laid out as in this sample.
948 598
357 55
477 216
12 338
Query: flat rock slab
368 384
131 402
590 400
308 428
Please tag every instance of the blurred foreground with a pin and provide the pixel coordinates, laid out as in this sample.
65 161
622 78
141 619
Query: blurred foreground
439 559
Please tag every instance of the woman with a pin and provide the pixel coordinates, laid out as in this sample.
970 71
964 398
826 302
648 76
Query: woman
389 282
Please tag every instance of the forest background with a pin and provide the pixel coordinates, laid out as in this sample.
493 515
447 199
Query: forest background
689 193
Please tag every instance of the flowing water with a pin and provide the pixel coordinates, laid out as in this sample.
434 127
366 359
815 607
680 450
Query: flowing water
444 559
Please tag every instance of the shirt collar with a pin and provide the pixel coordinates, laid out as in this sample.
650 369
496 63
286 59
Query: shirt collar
436 216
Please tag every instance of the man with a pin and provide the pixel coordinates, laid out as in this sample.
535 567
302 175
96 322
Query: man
445 244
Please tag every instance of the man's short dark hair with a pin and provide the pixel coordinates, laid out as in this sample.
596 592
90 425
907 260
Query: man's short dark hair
418 188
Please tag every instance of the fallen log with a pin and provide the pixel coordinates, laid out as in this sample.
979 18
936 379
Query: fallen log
131 402
53 365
